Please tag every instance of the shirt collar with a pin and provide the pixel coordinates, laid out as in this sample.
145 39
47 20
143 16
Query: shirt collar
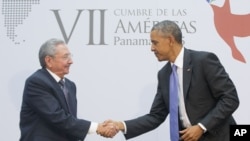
57 78
179 59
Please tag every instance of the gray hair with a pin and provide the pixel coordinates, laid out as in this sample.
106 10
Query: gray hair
48 49
167 28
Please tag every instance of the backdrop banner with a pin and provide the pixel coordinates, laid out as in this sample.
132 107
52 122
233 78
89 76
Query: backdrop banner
114 68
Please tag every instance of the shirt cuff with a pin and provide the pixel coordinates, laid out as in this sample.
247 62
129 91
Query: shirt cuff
125 127
93 127
203 127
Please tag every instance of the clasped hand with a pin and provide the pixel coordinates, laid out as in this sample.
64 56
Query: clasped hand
107 129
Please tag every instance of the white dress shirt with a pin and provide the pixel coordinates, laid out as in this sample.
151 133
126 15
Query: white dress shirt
182 109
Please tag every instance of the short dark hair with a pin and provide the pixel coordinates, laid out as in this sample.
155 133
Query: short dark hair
167 28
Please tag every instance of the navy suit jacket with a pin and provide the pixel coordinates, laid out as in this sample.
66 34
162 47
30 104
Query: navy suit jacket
45 115
209 94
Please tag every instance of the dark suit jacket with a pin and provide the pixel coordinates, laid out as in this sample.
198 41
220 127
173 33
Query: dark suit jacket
45 114
209 94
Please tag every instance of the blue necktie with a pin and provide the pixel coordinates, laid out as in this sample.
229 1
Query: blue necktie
173 102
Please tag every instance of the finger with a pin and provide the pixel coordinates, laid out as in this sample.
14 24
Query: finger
183 131
184 136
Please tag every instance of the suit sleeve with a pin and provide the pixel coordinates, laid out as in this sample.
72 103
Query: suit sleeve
222 89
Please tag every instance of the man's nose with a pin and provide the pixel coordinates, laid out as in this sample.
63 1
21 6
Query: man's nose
152 48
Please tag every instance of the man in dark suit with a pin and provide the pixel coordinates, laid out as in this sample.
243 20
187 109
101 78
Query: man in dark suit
207 96
49 109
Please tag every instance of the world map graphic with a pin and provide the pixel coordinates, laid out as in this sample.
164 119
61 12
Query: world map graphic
15 12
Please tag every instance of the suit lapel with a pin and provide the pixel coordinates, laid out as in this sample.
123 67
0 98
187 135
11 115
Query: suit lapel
59 94
187 72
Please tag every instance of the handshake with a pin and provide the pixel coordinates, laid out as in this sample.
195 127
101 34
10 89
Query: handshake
109 128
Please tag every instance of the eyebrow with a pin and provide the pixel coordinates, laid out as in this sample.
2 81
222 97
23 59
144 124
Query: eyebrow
154 41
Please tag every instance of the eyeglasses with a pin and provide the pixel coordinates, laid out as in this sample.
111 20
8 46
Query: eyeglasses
65 57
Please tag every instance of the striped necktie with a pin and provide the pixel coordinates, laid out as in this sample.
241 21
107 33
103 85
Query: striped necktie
65 90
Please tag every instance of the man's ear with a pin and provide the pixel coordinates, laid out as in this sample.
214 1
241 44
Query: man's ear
48 61
171 40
